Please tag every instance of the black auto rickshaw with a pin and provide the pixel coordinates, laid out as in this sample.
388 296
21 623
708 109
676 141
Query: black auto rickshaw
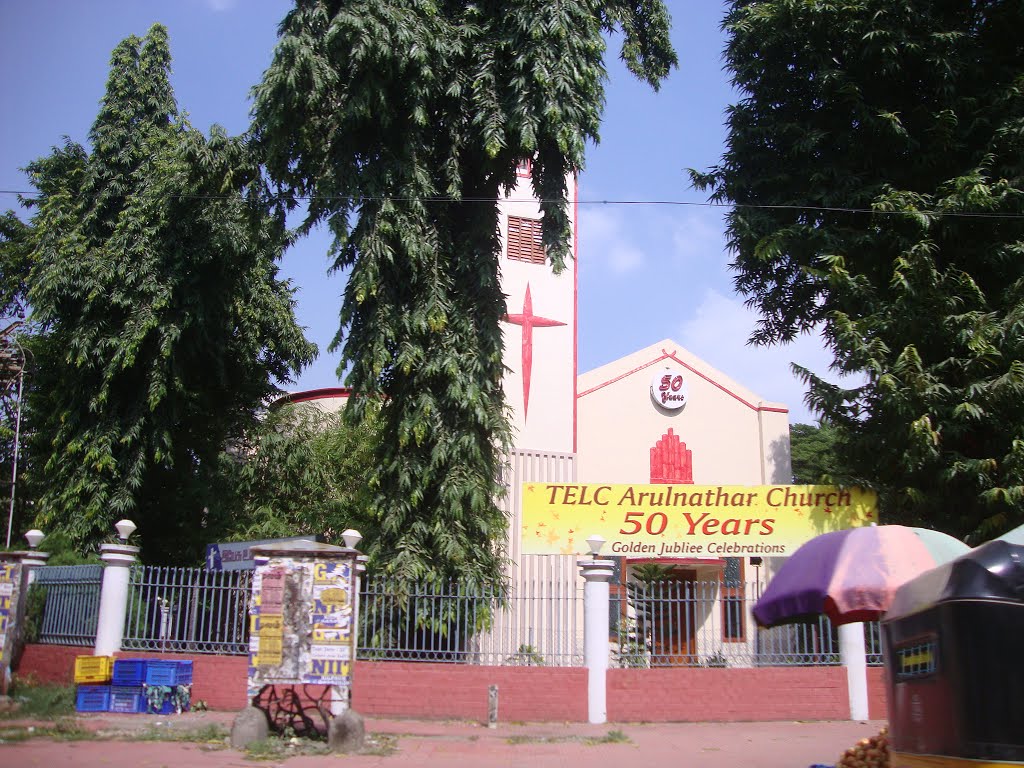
953 642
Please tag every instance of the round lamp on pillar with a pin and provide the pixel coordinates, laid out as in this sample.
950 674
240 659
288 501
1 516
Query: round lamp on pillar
351 537
125 528
34 558
595 543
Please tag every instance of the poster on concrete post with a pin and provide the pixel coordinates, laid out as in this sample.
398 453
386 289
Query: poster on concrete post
302 621
10 594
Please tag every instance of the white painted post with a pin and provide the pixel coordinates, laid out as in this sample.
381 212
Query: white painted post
853 654
341 697
597 574
117 561
31 561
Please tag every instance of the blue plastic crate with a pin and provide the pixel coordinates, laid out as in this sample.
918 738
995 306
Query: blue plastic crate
127 699
129 672
168 700
92 698
168 672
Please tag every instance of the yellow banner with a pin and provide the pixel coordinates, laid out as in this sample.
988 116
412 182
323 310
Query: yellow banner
677 521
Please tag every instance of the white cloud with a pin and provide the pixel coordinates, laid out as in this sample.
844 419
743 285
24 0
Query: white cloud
623 258
718 331
696 233
605 240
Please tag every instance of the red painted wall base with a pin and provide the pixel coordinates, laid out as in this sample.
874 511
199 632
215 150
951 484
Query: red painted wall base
460 691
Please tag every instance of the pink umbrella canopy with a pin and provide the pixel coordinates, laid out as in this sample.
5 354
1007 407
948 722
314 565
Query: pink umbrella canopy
853 574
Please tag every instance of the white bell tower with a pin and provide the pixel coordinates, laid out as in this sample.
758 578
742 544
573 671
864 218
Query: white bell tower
539 328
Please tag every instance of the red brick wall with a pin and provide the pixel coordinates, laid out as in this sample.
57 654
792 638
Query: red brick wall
438 691
218 680
456 691
766 693
878 697
50 663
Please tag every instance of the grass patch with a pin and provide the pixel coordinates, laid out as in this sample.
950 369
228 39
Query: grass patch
612 737
43 702
283 747
206 734
64 729
381 745
14 734
277 748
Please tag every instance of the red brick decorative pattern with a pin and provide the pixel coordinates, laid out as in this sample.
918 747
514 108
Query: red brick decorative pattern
671 460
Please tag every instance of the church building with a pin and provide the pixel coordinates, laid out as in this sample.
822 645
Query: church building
659 415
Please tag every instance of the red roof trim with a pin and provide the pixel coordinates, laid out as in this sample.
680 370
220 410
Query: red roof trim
326 393
665 355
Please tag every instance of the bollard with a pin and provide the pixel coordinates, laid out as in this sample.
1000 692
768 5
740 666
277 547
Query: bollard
492 706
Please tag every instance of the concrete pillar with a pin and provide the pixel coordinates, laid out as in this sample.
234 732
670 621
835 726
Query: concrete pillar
31 561
853 654
117 562
597 574
341 699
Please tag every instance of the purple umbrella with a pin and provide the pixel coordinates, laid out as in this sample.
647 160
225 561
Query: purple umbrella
853 574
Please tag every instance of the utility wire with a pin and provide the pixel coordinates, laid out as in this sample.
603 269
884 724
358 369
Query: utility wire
680 203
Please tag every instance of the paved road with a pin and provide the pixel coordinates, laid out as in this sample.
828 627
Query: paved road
447 744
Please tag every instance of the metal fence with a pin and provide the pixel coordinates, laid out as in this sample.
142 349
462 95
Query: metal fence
710 624
658 624
446 623
64 604
188 609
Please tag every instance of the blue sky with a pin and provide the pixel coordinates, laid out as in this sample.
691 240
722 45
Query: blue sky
647 272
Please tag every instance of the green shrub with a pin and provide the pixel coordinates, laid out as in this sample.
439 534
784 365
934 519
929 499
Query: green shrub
45 701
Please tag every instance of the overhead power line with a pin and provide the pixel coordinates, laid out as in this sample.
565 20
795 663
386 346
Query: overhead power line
690 203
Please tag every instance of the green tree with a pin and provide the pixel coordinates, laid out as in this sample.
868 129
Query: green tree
300 471
15 264
164 324
402 121
874 161
813 454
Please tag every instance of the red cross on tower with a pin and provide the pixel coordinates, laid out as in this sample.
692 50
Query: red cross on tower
529 321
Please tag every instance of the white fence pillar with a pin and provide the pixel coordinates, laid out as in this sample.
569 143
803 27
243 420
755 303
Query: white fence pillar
597 574
117 562
853 655
32 561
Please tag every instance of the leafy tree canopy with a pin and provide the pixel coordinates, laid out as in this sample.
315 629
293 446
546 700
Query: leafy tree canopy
875 162
300 471
15 264
813 454
164 325
402 121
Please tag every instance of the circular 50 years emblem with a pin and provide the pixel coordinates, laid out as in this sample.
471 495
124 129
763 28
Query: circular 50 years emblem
668 389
